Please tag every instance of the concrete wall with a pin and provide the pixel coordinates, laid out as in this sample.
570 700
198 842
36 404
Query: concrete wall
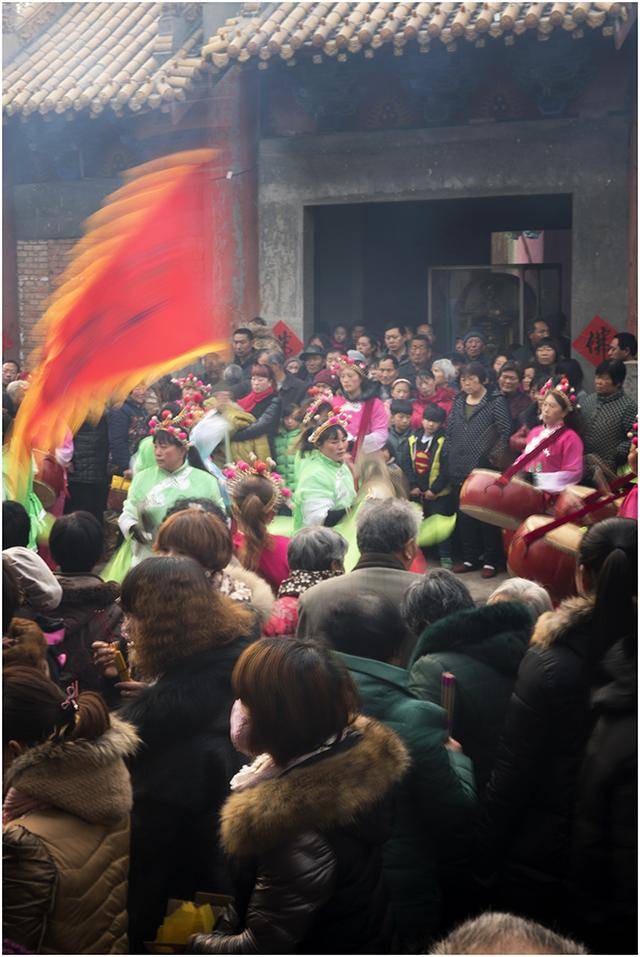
587 158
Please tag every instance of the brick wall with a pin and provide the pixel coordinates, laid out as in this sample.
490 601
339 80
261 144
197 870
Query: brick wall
39 264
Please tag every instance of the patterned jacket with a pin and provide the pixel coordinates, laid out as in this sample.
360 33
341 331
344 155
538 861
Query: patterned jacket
473 439
608 419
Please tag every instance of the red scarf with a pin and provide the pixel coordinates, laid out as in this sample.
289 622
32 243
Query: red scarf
250 401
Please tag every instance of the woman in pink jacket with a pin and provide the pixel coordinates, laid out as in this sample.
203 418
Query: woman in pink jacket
554 451
368 417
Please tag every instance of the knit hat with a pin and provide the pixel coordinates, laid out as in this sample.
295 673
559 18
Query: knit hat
474 333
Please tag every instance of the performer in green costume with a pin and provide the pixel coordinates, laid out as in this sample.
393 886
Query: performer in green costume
325 488
156 489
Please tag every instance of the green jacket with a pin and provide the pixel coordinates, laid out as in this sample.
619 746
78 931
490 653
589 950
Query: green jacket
285 454
322 486
482 648
436 801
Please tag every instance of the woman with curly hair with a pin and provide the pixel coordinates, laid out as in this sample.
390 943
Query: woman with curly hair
185 639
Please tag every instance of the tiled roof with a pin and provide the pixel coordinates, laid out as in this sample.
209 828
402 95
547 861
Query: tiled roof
132 56
286 30
97 56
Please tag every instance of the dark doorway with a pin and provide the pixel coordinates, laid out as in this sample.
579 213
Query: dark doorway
372 261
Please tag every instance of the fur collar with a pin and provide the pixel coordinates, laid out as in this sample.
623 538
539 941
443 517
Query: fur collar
574 614
496 634
320 796
87 779
262 598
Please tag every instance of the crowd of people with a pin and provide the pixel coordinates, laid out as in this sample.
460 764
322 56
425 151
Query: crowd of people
202 696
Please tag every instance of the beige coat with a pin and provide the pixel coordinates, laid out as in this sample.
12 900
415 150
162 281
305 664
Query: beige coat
65 868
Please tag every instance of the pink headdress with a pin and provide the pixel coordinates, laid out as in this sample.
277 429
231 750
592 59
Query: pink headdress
236 472
320 397
346 362
191 381
338 418
563 390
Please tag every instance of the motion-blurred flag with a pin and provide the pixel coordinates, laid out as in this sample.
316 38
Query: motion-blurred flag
149 289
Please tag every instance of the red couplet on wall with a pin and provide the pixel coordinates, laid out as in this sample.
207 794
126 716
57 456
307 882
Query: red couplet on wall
593 342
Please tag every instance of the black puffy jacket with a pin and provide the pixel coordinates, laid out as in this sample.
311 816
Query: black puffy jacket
180 778
525 830
309 848
604 864
91 453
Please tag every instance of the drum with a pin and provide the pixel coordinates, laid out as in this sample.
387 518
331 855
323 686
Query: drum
572 498
506 506
551 560
48 482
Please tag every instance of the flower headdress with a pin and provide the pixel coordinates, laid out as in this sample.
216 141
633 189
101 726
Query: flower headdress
563 390
236 472
633 434
320 397
191 381
338 418
177 426
346 362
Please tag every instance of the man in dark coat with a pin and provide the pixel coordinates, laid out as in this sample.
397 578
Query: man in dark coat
127 427
88 475
244 355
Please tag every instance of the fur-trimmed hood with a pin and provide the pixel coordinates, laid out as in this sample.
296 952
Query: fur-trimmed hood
573 615
262 597
318 795
88 779
496 634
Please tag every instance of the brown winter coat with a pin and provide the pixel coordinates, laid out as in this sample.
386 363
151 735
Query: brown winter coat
65 868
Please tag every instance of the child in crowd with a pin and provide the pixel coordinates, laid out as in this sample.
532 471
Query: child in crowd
429 460
286 439
425 391
399 435
401 389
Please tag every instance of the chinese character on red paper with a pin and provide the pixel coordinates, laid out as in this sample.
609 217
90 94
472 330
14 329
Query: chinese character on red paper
593 342
289 342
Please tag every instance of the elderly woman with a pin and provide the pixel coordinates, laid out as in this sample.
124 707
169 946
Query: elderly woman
482 648
314 555
521 589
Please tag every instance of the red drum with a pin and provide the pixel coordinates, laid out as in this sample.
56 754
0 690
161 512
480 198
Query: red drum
572 498
48 482
506 506
551 560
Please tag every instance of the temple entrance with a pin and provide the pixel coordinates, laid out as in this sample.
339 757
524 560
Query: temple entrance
496 262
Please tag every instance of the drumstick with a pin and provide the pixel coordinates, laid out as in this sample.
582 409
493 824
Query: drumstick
448 696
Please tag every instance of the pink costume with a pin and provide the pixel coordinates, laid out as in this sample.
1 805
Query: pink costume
629 507
273 566
558 465
378 430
